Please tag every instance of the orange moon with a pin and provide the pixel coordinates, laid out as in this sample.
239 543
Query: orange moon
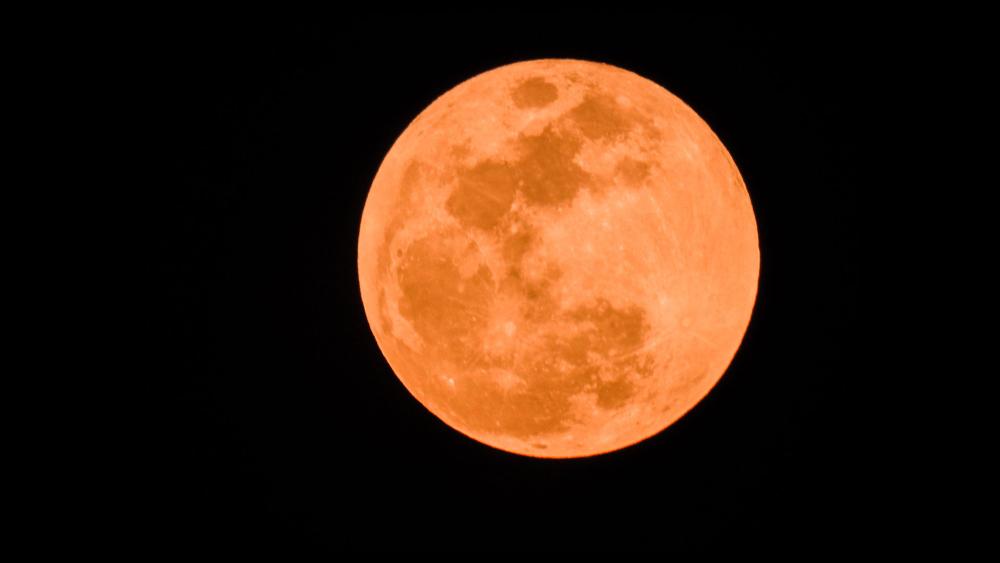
558 258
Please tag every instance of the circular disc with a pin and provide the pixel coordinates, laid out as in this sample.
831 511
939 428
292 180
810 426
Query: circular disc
558 258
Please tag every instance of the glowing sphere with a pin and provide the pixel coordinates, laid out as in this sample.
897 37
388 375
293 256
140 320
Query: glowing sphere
558 258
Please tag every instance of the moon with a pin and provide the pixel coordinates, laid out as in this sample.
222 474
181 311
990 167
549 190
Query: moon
558 258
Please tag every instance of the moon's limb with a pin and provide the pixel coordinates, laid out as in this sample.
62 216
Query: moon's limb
558 258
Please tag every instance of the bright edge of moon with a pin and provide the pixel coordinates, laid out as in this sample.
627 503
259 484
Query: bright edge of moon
558 258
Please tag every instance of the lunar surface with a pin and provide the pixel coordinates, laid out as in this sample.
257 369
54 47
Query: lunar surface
558 258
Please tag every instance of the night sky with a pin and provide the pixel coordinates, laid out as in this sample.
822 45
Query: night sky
285 432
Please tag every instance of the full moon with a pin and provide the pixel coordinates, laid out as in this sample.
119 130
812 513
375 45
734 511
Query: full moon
558 258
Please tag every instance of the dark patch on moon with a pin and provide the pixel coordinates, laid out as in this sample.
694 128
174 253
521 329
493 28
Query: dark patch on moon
633 171
548 173
599 117
534 92
516 245
544 173
614 330
446 309
615 393
484 194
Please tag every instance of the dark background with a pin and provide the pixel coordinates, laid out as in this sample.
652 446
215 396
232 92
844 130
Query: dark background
283 430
